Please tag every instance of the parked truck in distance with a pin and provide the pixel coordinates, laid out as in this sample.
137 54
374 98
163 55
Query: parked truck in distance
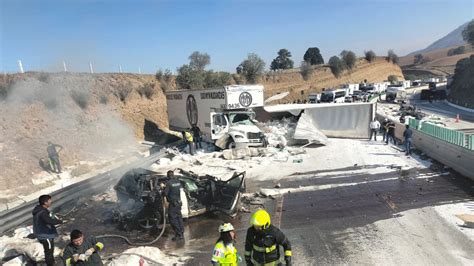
224 114
396 93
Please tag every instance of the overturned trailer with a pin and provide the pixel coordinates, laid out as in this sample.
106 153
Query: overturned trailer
344 120
140 193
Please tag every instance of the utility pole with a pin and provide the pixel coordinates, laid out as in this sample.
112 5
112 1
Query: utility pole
90 67
20 66
64 66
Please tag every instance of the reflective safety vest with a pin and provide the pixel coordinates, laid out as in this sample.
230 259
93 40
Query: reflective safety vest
225 255
189 136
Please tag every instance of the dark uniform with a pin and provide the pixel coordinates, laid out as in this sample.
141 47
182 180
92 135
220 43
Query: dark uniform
45 231
197 136
89 242
173 194
53 157
263 246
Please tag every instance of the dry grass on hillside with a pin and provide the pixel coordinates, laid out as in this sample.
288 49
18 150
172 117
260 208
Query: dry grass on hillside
438 57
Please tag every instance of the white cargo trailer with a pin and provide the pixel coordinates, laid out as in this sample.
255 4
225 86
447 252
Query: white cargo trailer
224 115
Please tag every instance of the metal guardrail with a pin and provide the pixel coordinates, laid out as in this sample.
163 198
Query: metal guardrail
9 219
449 135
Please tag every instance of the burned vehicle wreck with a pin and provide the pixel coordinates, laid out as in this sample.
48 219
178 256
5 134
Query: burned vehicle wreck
141 199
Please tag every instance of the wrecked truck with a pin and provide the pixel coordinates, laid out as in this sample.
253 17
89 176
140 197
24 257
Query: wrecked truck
140 194
225 115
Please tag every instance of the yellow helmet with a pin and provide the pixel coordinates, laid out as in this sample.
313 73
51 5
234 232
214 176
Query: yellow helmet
226 227
260 218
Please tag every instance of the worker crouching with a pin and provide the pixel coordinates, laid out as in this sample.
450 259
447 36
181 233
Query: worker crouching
262 244
82 250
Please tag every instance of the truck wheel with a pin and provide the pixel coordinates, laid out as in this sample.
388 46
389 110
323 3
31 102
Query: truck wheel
231 144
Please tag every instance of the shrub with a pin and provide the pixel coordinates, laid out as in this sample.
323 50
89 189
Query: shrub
146 90
81 98
165 86
458 50
392 78
370 56
306 70
159 75
349 59
167 75
123 92
392 57
43 77
336 65
5 89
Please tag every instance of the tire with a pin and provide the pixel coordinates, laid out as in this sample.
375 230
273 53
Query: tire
230 144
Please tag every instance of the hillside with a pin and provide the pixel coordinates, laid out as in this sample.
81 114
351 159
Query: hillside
439 64
84 113
291 80
81 112
454 38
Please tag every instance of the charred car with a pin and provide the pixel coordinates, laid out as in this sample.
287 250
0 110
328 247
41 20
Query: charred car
140 193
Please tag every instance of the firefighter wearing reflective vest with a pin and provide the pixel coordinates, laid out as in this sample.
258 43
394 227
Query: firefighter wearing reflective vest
225 252
262 244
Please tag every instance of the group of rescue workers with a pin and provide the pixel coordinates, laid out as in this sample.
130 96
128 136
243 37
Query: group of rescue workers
192 138
262 243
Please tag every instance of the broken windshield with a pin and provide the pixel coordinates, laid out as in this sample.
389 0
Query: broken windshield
240 119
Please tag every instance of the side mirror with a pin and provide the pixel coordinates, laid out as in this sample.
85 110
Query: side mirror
213 131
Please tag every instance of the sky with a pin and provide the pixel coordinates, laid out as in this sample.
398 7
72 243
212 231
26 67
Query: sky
151 35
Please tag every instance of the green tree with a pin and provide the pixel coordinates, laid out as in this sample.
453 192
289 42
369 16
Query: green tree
336 65
370 56
468 33
313 56
349 59
251 68
189 78
282 61
306 70
392 57
216 79
199 61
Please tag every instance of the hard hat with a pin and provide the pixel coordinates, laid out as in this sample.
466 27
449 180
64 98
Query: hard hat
226 227
260 218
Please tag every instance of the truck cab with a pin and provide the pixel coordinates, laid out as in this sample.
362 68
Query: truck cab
240 126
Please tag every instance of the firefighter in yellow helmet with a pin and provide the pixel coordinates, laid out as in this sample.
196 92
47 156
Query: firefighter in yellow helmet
262 244
225 252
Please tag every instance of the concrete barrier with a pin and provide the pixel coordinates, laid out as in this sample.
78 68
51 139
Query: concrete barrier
454 156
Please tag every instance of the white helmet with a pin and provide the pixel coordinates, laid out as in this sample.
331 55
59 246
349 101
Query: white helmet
226 227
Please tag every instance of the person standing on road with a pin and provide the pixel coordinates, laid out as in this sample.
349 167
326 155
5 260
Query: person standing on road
82 250
188 139
197 136
374 127
263 240
53 156
384 129
407 135
225 252
44 227
173 195
390 132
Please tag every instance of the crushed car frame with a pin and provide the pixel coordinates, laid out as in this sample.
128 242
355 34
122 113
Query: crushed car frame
140 194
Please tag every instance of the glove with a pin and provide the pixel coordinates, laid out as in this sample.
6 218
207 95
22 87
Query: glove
288 261
248 261
82 257
75 257
89 252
